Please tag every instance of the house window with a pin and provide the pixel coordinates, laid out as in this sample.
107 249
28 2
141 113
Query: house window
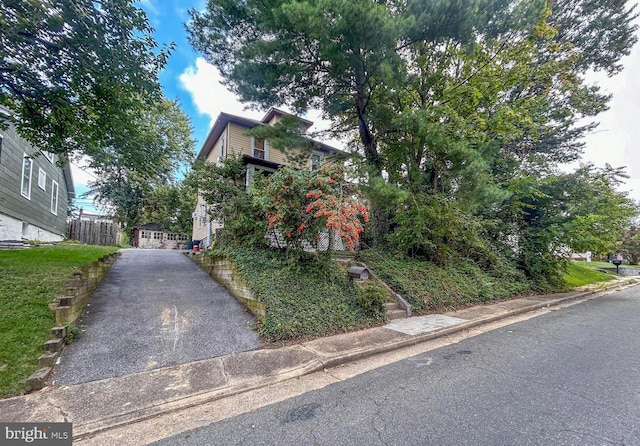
222 148
42 179
49 156
202 216
157 235
27 166
316 160
260 148
54 197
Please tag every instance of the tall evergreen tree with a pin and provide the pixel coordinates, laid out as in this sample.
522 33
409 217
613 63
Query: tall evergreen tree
332 54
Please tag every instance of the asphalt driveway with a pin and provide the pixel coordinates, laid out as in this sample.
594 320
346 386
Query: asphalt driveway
154 308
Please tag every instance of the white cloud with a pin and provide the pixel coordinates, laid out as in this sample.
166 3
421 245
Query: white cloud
203 82
81 174
616 140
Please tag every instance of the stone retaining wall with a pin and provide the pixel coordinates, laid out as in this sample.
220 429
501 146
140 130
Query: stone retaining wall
225 272
68 308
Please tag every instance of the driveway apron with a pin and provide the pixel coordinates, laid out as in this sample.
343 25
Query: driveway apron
154 308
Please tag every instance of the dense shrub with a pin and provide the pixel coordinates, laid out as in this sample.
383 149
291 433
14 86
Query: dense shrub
301 204
371 297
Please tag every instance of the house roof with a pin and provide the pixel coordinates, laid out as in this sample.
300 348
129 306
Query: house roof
218 128
149 226
277 112
225 118
68 179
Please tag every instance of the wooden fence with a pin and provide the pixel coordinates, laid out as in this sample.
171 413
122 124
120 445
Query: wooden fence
94 233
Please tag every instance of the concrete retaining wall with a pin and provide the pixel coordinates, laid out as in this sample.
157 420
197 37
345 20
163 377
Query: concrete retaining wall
225 272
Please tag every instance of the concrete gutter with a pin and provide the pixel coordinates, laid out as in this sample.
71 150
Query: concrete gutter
105 404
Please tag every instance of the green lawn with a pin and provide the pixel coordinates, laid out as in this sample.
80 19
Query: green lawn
585 273
30 279
607 265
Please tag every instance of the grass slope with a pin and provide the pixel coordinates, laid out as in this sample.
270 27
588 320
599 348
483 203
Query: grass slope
583 273
30 279
303 301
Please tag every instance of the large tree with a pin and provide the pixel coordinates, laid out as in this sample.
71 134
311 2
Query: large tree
549 216
72 73
137 178
333 54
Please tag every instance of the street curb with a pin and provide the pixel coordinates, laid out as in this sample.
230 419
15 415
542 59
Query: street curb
418 339
175 405
321 362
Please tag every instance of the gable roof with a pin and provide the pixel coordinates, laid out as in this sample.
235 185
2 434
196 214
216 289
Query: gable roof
221 123
225 118
277 112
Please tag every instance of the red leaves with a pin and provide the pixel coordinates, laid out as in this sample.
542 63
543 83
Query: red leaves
300 204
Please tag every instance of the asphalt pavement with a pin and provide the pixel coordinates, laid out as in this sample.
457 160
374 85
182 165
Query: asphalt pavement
154 308
99 409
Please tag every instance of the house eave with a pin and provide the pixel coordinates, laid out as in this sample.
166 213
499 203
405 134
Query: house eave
221 123
246 159
225 118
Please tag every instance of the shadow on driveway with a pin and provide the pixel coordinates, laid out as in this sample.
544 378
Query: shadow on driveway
154 308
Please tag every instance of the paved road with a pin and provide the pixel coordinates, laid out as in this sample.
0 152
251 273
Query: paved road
154 308
571 377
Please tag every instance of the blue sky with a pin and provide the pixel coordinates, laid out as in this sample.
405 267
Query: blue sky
168 18
196 85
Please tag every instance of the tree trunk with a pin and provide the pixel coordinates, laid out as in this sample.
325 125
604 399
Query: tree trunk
367 137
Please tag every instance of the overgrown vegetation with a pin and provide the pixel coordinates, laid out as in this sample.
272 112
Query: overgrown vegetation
306 300
31 279
460 116
295 207
430 287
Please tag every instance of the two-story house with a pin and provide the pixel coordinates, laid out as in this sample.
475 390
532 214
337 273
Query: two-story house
229 136
35 191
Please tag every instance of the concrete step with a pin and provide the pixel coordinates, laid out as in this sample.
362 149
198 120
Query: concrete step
396 314
390 306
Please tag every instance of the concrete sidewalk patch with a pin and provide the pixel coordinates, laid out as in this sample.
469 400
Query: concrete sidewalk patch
423 324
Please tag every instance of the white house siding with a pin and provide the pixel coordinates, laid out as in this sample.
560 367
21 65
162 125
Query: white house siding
200 221
14 229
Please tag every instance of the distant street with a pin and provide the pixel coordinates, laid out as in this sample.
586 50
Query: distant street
570 377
